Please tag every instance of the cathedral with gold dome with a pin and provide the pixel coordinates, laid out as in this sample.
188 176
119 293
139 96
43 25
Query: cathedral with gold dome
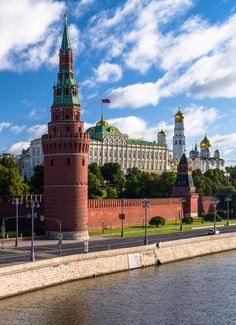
203 160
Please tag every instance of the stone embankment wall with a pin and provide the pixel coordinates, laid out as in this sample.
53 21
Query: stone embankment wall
36 275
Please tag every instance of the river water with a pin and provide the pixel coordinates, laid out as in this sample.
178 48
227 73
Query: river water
193 292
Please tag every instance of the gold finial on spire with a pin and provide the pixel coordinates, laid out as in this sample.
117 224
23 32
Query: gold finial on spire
65 16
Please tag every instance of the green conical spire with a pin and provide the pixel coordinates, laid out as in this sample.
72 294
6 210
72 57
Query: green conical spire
65 44
66 88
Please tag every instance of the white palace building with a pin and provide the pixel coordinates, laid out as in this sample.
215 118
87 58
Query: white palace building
109 144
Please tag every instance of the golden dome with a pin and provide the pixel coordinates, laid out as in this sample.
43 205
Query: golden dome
102 122
205 143
179 116
162 133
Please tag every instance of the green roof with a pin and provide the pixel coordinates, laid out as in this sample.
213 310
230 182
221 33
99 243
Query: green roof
143 142
65 44
66 88
103 129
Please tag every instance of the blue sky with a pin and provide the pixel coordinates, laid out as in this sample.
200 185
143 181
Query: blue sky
146 56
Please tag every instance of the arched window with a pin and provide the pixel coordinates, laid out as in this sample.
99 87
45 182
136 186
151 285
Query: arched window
179 141
83 162
68 161
67 116
51 162
67 90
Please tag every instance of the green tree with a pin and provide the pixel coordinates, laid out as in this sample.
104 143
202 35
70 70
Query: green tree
36 181
133 188
113 176
94 187
11 182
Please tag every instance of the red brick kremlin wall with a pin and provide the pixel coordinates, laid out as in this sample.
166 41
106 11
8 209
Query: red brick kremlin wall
105 213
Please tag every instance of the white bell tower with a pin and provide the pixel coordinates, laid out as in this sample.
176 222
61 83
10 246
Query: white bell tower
178 138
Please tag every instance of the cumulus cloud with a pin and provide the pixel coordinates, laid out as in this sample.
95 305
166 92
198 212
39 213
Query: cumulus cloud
17 148
36 131
4 125
107 72
81 7
17 129
26 47
198 119
134 96
195 58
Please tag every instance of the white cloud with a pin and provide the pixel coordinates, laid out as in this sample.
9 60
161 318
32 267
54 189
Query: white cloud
33 115
196 57
4 125
81 7
107 72
198 119
26 47
17 129
134 96
16 148
36 131
225 141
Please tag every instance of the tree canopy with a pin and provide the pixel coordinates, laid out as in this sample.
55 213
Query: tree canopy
11 183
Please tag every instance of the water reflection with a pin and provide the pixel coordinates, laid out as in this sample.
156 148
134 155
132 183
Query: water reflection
197 291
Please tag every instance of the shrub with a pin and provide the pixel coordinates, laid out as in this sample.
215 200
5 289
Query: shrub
157 221
210 217
187 220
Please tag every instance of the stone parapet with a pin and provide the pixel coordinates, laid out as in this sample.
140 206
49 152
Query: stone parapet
26 277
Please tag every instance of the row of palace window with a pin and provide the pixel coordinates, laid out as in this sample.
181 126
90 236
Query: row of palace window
36 152
140 155
67 162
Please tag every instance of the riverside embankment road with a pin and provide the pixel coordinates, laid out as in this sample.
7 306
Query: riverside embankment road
45 249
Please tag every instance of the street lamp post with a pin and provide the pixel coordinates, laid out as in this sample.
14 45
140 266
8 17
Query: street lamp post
215 202
59 237
122 217
146 203
33 204
227 200
16 201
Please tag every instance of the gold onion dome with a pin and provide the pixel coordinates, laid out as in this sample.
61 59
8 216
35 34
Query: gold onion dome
102 122
205 143
162 133
179 116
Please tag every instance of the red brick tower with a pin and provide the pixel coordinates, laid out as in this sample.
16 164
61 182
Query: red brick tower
66 155
184 188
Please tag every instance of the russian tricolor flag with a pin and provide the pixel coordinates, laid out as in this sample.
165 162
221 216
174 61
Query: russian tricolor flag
105 101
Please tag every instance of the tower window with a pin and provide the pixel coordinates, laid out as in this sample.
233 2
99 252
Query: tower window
83 162
175 141
51 162
67 117
68 161
179 141
67 129
67 90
